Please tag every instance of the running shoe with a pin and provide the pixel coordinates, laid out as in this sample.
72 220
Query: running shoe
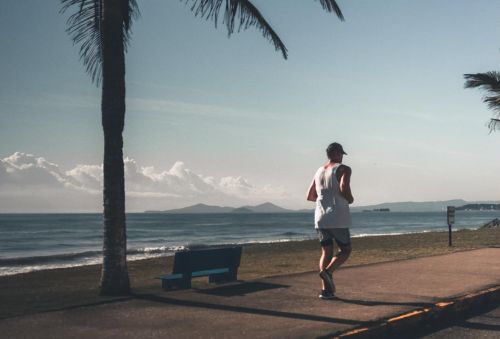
326 295
328 280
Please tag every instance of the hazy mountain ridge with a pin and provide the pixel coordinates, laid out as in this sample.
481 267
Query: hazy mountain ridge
479 207
267 207
420 206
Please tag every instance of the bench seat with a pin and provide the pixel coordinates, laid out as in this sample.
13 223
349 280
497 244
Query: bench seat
194 274
220 264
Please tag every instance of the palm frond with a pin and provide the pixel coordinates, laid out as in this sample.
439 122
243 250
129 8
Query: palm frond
84 27
247 15
332 6
494 124
490 83
130 13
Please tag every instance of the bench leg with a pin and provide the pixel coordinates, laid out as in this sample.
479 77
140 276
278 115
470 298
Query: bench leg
224 277
186 281
233 274
217 278
166 284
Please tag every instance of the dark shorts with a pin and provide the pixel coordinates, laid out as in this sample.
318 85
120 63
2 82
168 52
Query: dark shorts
342 236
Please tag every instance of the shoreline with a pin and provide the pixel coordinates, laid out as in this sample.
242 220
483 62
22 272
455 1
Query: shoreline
46 290
28 264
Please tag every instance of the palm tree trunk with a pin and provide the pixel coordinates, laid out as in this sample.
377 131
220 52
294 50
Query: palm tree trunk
114 275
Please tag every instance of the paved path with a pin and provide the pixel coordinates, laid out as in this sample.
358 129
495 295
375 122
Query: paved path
276 307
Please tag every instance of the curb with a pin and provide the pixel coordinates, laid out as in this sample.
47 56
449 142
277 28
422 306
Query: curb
424 317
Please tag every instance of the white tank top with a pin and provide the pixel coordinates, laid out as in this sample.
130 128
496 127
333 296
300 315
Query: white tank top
332 209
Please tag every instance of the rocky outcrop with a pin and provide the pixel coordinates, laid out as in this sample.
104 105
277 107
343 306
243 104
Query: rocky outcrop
495 223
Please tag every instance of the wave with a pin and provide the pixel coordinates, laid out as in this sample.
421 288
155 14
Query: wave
290 234
362 235
20 261
83 256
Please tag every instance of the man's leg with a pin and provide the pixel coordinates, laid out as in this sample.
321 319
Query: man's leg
327 285
325 259
343 239
340 258
326 242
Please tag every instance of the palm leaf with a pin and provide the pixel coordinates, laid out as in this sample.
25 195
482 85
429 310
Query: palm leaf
84 27
331 6
247 15
490 83
494 124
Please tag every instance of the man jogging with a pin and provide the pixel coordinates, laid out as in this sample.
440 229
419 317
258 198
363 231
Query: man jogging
331 190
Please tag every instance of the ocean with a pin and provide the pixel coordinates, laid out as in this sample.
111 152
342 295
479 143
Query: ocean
30 242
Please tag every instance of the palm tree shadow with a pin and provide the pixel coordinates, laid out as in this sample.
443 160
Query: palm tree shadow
382 303
248 310
114 300
240 289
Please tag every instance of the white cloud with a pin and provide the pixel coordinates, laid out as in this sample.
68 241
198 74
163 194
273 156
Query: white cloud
31 183
26 170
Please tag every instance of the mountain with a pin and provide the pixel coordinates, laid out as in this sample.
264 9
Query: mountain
412 206
242 210
479 207
198 208
266 207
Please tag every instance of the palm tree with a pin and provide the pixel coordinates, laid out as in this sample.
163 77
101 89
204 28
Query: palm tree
102 28
489 82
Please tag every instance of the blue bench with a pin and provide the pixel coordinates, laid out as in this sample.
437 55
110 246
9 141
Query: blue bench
219 264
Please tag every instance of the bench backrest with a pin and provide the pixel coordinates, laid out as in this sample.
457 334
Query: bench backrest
205 259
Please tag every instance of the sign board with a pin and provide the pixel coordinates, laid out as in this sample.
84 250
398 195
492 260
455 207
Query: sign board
451 214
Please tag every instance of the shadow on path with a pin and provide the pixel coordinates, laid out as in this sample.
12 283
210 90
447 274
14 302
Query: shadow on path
248 310
241 289
72 307
381 303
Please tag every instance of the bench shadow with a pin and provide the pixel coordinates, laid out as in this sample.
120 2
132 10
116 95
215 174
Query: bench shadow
69 307
248 310
241 289
381 303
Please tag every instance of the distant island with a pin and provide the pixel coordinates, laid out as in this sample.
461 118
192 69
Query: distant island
409 206
479 207
378 210
424 206
266 207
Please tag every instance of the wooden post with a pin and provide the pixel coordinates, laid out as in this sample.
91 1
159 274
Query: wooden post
450 212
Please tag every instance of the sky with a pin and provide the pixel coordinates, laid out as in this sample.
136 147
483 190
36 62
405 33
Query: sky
228 121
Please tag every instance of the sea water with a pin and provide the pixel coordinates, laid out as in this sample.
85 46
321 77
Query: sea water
42 241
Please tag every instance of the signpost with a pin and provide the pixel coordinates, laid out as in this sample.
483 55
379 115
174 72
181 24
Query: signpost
451 220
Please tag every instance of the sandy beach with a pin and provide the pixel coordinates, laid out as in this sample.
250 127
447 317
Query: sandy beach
71 287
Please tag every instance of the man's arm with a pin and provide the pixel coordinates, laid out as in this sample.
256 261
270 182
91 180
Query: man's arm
312 195
345 183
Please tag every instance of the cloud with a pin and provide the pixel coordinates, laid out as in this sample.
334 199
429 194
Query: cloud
22 170
27 180
195 109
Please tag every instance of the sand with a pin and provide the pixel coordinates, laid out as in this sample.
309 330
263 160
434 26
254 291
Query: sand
55 289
